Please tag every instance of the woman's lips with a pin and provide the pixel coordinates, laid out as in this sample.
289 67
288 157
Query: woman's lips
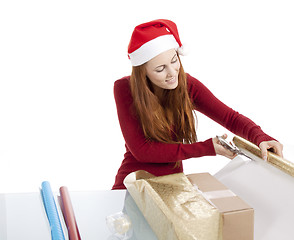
171 80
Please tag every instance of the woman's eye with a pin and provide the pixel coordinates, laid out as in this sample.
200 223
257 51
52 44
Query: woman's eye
174 61
160 69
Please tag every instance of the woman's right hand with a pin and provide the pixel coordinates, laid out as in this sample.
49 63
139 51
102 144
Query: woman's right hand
220 150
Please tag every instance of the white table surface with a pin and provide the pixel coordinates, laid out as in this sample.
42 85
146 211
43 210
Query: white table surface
22 216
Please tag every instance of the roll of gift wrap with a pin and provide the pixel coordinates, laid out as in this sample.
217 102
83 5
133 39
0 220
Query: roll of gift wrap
273 159
51 211
68 214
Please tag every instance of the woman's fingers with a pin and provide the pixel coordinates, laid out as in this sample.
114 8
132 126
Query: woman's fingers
220 150
276 146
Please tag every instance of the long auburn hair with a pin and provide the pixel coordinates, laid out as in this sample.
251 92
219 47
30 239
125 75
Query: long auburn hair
170 120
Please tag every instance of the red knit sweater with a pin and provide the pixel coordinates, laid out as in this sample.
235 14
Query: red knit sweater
159 158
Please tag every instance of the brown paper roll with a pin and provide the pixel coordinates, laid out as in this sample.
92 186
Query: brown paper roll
275 160
68 214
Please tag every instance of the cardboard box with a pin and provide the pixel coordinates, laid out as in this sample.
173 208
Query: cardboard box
237 216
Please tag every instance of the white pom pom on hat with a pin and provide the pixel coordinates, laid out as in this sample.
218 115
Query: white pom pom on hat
152 38
183 50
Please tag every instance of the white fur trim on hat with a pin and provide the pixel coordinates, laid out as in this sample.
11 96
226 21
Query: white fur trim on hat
153 48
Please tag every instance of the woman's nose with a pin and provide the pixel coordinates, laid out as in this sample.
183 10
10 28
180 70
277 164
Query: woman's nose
171 72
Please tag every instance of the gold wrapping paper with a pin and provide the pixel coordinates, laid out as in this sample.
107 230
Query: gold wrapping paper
281 163
174 209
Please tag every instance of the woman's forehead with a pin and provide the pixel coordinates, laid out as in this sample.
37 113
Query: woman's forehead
162 58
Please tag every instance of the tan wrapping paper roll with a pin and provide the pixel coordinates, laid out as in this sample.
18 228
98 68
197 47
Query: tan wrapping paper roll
280 163
174 209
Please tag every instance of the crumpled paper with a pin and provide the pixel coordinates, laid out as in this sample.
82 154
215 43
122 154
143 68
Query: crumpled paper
174 209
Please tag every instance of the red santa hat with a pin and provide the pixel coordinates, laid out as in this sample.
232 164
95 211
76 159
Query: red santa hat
152 38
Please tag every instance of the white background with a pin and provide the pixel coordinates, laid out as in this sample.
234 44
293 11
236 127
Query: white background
59 60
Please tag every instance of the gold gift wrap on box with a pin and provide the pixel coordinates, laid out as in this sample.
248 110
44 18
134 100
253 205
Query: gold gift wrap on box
196 206
174 209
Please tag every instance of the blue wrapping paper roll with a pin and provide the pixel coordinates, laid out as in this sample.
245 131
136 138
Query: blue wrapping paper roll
51 211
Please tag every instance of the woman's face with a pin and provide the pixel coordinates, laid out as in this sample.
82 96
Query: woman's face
163 70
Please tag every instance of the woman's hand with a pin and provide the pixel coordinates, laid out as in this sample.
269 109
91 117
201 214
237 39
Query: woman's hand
275 146
220 150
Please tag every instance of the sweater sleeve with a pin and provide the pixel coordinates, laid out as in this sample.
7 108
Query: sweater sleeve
206 103
150 151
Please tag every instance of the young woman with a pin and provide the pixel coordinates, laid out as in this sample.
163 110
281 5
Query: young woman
155 108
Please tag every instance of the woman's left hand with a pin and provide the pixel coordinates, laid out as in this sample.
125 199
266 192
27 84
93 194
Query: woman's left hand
273 145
